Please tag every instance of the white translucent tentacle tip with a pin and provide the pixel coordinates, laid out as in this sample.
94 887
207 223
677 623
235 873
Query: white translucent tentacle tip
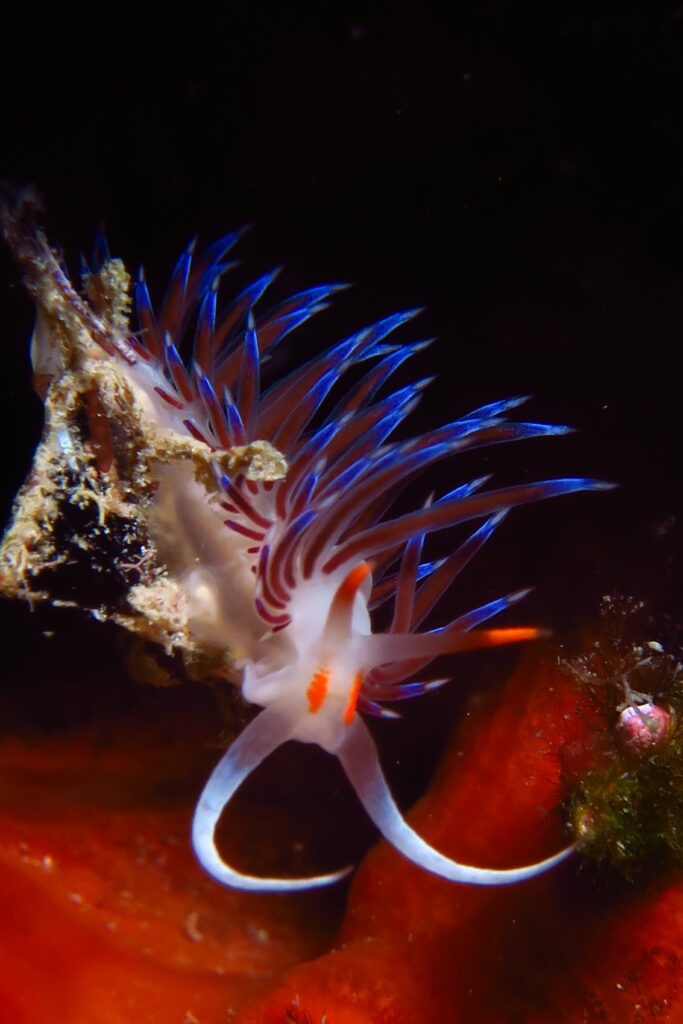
359 758
207 854
261 737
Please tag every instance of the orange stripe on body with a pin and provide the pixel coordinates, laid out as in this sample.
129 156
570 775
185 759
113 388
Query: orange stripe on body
506 635
317 690
350 712
350 584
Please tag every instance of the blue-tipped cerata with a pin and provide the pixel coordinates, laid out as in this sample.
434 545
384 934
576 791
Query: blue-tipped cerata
284 572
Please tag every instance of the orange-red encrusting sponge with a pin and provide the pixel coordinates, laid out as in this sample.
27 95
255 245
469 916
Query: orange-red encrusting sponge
414 950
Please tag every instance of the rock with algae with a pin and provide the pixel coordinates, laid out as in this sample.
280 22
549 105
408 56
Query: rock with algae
86 502
627 804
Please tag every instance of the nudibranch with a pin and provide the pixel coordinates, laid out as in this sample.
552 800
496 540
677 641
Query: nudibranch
283 568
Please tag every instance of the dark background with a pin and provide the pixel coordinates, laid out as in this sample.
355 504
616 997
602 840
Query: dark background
514 167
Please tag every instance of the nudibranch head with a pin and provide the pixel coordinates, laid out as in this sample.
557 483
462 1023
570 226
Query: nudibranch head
285 569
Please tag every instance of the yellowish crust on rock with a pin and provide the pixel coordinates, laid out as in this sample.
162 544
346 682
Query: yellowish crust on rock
102 509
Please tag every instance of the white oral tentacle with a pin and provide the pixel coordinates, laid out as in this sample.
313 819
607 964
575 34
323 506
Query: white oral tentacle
358 756
261 737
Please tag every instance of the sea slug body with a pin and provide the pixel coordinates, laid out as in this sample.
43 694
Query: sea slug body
286 570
